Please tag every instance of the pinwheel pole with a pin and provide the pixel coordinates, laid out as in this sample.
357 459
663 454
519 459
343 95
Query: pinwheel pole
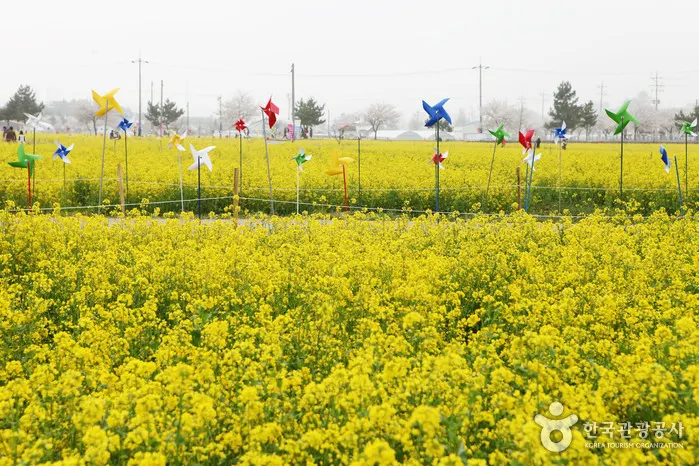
179 163
34 152
359 166
436 175
29 185
686 168
240 162
126 161
560 165
490 174
269 171
104 147
679 185
199 186
621 163
528 196
344 179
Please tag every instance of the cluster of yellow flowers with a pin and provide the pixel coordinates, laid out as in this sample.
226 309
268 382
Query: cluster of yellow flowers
394 175
357 341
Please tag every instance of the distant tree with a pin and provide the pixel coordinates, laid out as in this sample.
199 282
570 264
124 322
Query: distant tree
443 125
588 118
153 114
241 106
309 114
381 116
22 101
565 108
170 113
416 122
84 112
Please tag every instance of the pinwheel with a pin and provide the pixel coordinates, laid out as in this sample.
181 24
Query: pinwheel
200 157
436 113
622 119
106 103
27 161
500 136
340 168
666 162
438 158
271 111
34 122
240 127
559 134
124 125
62 153
525 139
688 130
176 141
300 159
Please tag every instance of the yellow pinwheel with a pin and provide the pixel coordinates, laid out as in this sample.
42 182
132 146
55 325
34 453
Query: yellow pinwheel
340 168
107 102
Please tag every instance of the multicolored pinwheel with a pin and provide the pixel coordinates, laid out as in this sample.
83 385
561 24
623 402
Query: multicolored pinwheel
500 136
62 152
438 158
559 133
301 158
27 161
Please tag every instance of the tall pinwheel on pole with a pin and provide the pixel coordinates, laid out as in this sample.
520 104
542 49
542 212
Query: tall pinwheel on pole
240 127
62 153
525 139
271 111
107 103
688 130
559 135
436 113
176 140
500 136
300 159
33 121
200 157
25 160
340 168
622 119
666 161
124 125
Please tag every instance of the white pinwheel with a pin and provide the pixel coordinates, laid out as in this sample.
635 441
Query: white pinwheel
201 157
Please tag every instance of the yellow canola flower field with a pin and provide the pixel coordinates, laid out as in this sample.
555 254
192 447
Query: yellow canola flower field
353 341
394 175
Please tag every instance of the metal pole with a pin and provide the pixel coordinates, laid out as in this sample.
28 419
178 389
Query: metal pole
139 111
179 164
269 172
436 174
490 174
199 185
686 166
34 168
161 115
560 162
298 181
104 147
293 104
359 166
240 163
220 117
679 185
126 159
621 168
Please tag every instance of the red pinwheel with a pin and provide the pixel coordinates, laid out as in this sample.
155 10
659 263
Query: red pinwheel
271 111
526 140
240 125
438 158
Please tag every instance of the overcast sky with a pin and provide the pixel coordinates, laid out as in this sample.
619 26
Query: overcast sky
351 54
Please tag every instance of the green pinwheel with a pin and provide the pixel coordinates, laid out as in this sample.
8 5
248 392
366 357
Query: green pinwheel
27 161
622 118
300 159
500 136
688 130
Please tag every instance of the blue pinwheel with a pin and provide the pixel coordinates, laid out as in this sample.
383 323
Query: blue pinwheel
62 152
666 161
560 133
125 124
436 112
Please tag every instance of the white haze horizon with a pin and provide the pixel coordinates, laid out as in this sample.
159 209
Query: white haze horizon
349 56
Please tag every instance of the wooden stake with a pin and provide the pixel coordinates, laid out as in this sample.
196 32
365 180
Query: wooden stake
236 191
121 189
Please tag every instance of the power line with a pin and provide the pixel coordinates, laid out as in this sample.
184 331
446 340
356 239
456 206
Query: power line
601 97
140 61
480 69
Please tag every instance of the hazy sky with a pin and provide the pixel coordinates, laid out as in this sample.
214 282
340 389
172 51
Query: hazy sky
353 53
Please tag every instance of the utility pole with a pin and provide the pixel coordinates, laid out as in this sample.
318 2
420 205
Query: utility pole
521 111
220 117
543 99
187 115
140 61
480 69
656 79
601 97
161 109
293 104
